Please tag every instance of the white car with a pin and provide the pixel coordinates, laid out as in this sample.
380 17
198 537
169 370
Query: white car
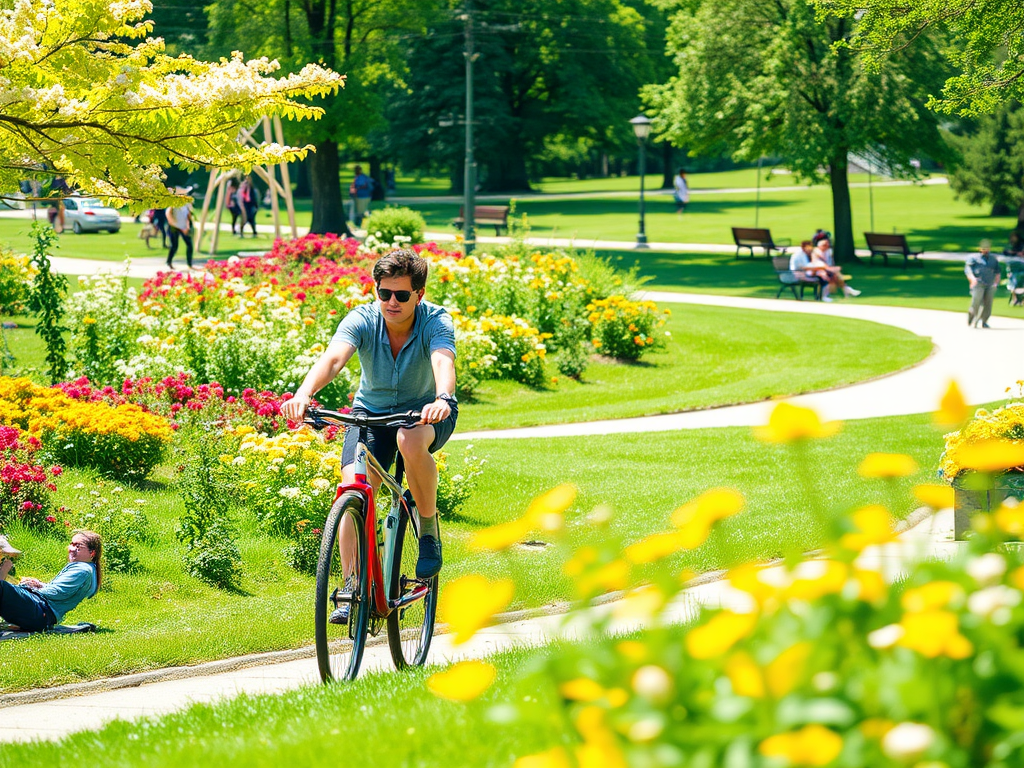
86 214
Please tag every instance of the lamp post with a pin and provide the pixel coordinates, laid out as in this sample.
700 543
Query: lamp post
642 128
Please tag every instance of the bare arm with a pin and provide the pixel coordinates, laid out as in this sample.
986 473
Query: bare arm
334 358
442 361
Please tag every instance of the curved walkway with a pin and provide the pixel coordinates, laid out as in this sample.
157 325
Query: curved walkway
983 362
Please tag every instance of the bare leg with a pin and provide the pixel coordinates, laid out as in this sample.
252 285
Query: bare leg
420 467
5 568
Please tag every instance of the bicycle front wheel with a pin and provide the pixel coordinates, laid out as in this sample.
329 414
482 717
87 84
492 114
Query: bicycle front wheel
410 627
339 647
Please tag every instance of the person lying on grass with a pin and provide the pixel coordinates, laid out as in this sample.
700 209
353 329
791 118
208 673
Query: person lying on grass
35 606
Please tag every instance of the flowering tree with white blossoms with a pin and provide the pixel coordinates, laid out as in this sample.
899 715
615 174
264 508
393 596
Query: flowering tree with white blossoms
87 93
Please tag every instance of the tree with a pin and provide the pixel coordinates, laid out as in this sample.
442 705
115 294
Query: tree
362 38
982 41
551 76
992 166
80 99
770 79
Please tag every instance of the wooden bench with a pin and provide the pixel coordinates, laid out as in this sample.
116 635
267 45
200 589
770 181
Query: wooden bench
751 238
487 216
890 245
793 280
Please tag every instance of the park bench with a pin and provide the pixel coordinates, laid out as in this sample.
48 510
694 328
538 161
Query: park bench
890 245
793 280
751 238
486 216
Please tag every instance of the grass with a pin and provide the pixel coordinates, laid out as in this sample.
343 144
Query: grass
931 285
163 617
707 361
337 726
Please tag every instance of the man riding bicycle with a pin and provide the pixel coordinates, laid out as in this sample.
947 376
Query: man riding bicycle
406 349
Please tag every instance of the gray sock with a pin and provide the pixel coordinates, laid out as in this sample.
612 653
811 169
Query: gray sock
428 526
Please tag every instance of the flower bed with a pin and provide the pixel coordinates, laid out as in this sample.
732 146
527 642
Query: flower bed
123 441
25 484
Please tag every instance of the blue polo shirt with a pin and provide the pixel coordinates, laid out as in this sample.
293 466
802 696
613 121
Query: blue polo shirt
389 385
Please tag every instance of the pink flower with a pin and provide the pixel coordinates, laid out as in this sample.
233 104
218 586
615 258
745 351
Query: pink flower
56 471
51 519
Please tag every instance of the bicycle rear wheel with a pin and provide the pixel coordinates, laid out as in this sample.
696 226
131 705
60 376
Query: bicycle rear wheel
410 628
339 647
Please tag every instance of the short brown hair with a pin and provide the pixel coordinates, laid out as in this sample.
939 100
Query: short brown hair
402 263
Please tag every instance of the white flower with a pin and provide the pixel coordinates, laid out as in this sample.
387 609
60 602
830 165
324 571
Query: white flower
652 682
886 637
238 461
907 741
987 601
987 569
289 492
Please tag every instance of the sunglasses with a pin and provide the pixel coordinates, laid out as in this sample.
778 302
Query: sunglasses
385 294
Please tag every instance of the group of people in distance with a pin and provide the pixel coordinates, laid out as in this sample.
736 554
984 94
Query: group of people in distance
814 263
984 273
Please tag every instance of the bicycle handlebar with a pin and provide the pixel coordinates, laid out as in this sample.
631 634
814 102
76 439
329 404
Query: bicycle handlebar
318 418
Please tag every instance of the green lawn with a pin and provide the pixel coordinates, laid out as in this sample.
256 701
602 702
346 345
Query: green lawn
339 725
163 617
713 356
930 285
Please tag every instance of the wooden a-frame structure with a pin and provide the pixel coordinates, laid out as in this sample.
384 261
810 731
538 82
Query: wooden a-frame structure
219 178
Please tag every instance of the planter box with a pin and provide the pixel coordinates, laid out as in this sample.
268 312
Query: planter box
973 495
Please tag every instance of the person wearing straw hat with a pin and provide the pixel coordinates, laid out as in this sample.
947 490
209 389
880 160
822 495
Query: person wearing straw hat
983 275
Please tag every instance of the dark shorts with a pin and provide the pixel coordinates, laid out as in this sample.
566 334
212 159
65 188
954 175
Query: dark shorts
25 608
383 441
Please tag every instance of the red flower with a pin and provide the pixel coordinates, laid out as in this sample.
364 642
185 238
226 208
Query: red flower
56 471
51 519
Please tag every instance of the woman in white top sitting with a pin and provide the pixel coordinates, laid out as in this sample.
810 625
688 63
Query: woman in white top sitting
821 257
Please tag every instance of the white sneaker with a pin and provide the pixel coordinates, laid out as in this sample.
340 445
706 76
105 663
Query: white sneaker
852 291
827 298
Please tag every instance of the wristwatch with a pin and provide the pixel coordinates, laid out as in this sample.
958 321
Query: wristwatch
448 399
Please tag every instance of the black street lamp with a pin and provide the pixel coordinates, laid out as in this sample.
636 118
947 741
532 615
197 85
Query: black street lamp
642 128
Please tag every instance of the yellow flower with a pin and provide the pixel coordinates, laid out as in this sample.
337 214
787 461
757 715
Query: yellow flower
932 596
952 407
934 496
499 537
659 545
553 758
992 455
886 465
88 320
610 577
544 512
785 671
463 682
814 579
468 604
1010 519
719 635
790 423
640 603
933 634
874 527
554 502
812 745
745 676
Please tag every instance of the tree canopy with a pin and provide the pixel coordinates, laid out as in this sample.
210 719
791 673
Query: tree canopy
760 79
992 165
87 93
983 40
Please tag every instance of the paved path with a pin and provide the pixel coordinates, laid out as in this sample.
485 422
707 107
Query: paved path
931 537
981 361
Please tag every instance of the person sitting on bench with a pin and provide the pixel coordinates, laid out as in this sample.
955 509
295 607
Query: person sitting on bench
801 266
822 256
35 606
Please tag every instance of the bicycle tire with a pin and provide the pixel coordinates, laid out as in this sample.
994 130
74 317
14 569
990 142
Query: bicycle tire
410 629
344 663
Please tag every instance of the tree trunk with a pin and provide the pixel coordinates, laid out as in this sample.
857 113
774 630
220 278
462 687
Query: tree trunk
668 172
842 243
507 172
1020 218
328 209
377 174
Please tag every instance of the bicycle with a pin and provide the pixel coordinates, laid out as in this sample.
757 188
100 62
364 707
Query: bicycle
385 590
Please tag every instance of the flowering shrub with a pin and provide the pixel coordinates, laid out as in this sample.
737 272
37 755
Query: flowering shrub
814 661
25 485
304 553
456 481
968 448
625 329
311 247
518 348
16 274
118 518
394 226
123 441
98 346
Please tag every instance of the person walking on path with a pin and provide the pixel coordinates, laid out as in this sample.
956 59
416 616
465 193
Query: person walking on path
983 275
361 191
248 204
35 606
406 350
682 191
231 202
179 225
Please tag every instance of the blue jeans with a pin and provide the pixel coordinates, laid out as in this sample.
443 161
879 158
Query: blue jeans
24 608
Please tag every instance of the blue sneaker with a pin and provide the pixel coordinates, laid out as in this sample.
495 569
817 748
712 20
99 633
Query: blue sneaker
429 563
340 614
